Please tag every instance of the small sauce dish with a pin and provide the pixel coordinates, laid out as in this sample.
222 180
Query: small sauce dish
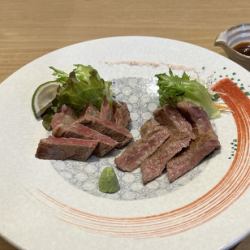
236 43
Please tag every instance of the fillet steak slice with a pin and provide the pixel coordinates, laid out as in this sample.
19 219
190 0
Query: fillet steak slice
54 148
205 143
121 115
139 150
180 136
105 143
119 134
63 118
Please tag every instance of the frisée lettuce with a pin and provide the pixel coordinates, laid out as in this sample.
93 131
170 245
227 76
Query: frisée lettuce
173 89
81 87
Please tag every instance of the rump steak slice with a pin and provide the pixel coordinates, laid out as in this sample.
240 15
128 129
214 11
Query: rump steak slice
139 150
119 134
180 136
105 143
121 115
63 118
205 143
54 148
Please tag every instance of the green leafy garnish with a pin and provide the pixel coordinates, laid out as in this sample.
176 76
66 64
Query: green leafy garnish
60 75
215 97
108 182
84 86
78 89
173 89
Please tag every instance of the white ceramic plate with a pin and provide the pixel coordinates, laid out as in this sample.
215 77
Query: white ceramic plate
56 205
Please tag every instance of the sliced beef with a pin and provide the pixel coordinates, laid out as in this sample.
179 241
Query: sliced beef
121 115
196 116
139 150
205 143
172 118
149 127
154 165
105 143
106 110
180 136
91 110
63 118
119 134
191 157
54 148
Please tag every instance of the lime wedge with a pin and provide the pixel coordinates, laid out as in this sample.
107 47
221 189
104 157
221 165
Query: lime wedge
43 97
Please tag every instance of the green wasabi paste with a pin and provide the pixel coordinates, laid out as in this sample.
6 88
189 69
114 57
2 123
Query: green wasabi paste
108 182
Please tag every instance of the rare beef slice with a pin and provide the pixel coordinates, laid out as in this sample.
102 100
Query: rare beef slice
173 120
54 148
61 119
119 134
106 112
121 115
149 127
205 143
155 164
91 110
139 150
181 134
191 157
105 143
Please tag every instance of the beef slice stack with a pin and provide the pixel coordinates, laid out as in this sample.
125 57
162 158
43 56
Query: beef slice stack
175 139
93 132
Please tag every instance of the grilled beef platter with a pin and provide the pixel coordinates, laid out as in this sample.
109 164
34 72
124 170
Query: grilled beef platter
177 137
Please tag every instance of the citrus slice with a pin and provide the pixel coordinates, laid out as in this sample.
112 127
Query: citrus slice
43 97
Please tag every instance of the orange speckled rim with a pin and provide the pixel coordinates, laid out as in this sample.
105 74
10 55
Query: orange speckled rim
228 190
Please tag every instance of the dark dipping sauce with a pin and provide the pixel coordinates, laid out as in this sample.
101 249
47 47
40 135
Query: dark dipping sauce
243 48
